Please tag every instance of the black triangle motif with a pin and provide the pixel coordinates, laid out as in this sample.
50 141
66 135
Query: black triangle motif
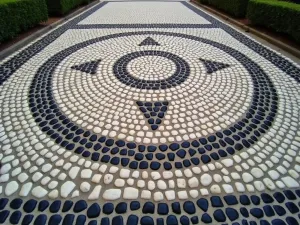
154 112
212 66
88 67
148 41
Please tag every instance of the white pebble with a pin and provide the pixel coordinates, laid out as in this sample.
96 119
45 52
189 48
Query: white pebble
11 188
155 175
181 183
227 162
85 187
25 189
146 194
170 195
290 182
182 195
193 182
124 173
95 193
39 192
130 193
206 179
107 179
112 194
158 196
161 185
86 173
119 182
247 177
66 188
73 172
167 174
96 178
239 187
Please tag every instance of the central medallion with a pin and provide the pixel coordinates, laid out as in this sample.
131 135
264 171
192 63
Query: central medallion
151 67
181 71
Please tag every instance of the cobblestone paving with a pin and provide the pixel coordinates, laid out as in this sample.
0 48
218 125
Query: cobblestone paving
149 113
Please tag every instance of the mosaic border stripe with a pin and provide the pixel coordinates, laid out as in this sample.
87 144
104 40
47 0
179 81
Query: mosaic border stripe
140 26
252 209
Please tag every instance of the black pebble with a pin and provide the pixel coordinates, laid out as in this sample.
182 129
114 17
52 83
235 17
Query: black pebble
93 211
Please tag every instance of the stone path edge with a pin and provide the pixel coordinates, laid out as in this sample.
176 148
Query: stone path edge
246 28
22 43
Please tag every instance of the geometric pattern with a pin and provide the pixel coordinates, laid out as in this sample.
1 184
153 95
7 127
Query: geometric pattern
233 139
88 67
212 66
154 112
179 76
148 41
153 137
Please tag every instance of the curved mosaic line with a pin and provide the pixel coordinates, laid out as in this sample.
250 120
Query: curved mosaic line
179 76
238 136
263 209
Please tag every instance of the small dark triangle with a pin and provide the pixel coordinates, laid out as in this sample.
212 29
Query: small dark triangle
212 66
148 41
154 112
88 67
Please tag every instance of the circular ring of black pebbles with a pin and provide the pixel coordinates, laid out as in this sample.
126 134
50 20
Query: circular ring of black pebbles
180 75
240 135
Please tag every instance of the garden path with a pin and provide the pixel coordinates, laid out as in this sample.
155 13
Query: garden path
149 112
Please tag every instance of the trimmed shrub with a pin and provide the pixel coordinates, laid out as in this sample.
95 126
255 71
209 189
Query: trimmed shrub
61 7
236 8
205 2
279 16
20 15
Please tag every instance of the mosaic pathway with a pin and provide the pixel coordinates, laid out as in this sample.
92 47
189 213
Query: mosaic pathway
149 113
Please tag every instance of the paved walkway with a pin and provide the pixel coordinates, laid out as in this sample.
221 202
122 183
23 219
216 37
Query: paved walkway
152 112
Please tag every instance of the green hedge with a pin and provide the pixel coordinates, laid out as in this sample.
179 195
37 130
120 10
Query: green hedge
278 15
61 7
236 8
19 15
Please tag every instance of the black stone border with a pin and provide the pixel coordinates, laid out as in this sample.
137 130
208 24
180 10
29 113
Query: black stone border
140 26
266 208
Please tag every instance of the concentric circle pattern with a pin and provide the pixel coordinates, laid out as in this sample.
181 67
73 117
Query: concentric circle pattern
67 132
179 76
151 68
181 121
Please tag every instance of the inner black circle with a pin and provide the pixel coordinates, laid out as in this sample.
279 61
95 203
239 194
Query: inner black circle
179 76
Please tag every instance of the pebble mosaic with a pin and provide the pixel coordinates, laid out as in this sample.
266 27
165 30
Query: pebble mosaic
149 112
